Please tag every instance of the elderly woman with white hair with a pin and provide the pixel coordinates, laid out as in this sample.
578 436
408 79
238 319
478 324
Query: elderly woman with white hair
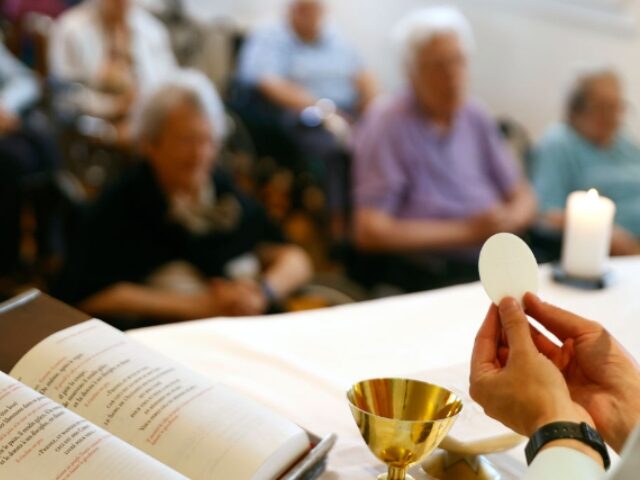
591 150
433 179
175 216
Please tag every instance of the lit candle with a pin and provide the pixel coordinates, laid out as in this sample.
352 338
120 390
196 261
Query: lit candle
587 234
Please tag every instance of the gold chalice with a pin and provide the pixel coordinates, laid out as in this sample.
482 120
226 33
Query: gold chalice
402 421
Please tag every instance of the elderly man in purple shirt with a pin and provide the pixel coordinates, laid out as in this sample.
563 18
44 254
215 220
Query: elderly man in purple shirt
433 179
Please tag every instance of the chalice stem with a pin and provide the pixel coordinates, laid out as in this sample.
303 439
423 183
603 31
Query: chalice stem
397 473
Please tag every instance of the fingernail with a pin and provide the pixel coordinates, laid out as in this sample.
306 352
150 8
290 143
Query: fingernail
509 304
526 300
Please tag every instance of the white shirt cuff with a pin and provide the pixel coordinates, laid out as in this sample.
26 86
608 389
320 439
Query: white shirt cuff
564 463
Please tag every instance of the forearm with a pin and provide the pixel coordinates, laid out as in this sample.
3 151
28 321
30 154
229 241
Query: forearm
141 301
523 205
287 268
20 87
623 242
553 218
286 94
367 89
390 234
100 104
20 94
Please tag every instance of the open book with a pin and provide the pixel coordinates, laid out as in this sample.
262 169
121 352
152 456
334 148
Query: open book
89 403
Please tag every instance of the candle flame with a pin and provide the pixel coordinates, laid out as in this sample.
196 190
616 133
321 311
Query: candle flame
593 194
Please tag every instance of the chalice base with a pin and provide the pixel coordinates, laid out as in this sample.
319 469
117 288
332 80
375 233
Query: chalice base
384 476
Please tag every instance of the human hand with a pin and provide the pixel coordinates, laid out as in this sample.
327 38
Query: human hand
123 102
254 300
115 75
347 117
339 125
236 298
624 243
523 390
601 376
124 132
496 220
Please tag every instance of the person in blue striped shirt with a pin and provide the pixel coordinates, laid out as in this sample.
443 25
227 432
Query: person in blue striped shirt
304 85
303 59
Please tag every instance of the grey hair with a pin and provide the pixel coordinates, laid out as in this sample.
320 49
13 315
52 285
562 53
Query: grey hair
186 86
420 27
578 92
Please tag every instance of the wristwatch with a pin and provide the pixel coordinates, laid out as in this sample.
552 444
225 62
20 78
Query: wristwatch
581 432
269 293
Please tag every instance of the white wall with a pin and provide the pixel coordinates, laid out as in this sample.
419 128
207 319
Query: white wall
523 61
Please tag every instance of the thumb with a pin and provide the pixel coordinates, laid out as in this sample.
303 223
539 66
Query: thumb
515 326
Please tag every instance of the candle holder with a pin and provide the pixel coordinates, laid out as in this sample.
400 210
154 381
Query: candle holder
598 283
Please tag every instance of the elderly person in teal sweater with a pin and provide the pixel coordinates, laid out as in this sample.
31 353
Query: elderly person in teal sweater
591 150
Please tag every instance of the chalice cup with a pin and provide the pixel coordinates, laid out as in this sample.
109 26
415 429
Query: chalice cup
402 421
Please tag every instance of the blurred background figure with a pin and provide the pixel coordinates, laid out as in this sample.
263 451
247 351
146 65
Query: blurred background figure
302 59
433 179
21 19
28 160
16 10
301 86
173 239
108 52
591 150
397 191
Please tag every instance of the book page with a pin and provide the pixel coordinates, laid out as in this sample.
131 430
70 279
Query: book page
200 429
41 439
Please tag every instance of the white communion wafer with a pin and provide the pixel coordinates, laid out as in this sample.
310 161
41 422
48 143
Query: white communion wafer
508 268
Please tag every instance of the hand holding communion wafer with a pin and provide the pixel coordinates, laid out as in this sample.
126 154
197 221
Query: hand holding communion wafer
600 376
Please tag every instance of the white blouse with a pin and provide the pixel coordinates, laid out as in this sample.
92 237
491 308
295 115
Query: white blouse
78 48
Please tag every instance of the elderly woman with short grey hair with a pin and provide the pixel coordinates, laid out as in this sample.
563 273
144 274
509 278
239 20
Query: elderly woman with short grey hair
433 179
173 239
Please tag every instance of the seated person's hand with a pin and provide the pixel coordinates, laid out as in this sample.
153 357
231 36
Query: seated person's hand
601 376
624 243
115 76
125 133
9 122
347 117
254 301
236 298
123 102
496 220
522 389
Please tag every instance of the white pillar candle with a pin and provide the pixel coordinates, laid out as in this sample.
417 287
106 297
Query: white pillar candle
587 234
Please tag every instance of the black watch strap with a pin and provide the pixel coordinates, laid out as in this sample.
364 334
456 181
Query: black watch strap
581 432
